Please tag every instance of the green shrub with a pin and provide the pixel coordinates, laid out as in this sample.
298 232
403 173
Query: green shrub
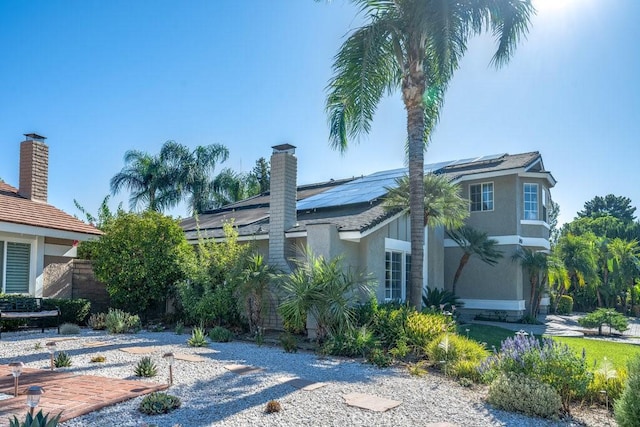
159 403
605 316
37 420
98 321
98 359
140 257
390 322
378 357
422 329
179 329
466 369
71 310
441 299
69 329
354 343
565 305
62 360
518 393
146 368
120 322
220 334
544 360
451 349
612 384
198 338
289 342
400 350
627 407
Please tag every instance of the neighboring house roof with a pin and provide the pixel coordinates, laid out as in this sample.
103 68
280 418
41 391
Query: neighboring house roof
352 205
16 209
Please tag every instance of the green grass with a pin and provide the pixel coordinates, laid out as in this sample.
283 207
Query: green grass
597 350
492 335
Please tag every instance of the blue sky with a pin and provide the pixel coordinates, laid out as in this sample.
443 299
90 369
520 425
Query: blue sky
99 78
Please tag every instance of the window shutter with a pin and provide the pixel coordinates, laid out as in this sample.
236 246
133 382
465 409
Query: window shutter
18 266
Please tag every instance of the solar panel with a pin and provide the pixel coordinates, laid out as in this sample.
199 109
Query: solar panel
371 187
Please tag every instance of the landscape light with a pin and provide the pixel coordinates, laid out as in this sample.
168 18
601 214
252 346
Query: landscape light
16 370
33 397
51 346
169 357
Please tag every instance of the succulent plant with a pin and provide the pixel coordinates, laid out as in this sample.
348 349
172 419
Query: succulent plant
62 360
98 359
37 420
198 338
146 368
159 403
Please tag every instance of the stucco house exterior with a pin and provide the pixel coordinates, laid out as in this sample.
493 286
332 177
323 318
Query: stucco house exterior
509 198
34 234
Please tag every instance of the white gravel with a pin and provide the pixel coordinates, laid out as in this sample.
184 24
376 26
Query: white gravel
211 395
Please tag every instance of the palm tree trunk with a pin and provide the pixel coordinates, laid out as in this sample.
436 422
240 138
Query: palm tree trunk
532 298
412 90
463 262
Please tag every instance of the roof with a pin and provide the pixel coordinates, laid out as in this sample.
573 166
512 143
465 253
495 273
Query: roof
19 210
353 204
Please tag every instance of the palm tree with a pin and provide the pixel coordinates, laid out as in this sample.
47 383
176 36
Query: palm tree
414 46
578 256
149 181
253 290
443 205
230 186
626 257
535 262
474 242
194 171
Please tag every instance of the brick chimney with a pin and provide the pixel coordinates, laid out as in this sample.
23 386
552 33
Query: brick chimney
34 167
282 203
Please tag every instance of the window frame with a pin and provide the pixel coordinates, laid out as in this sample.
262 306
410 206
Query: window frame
482 193
530 203
4 241
403 249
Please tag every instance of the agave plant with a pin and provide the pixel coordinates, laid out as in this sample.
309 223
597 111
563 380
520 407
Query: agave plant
441 298
37 420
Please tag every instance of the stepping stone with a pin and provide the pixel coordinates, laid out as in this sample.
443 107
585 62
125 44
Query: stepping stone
443 424
305 385
242 369
370 402
63 339
95 344
138 350
189 357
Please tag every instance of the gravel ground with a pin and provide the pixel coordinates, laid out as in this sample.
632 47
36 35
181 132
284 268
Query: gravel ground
211 395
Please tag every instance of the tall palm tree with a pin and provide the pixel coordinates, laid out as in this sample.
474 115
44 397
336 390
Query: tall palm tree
443 205
626 255
413 46
230 186
536 264
253 290
148 179
195 171
474 243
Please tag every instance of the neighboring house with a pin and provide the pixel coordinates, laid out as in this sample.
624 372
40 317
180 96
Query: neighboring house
34 234
509 197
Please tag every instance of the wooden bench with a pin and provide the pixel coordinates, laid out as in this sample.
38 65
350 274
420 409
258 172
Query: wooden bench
27 308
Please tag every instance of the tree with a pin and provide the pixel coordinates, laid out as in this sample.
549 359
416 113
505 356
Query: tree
474 242
625 266
262 174
414 46
230 186
578 256
253 290
535 262
194 171
616 206
140 258
443 204
151 183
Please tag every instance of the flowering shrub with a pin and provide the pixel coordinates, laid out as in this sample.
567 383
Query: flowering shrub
519 393
545 360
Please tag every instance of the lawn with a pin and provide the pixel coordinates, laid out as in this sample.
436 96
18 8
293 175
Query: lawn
596 350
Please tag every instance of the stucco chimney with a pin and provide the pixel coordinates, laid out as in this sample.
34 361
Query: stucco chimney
282 203
34 167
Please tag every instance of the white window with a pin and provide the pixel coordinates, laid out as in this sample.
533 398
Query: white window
481 197
531 201
15 265
397 269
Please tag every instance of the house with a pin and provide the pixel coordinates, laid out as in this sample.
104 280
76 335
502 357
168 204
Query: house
509 199
33 234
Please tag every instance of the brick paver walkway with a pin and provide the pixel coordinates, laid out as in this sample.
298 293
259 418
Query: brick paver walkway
71 393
